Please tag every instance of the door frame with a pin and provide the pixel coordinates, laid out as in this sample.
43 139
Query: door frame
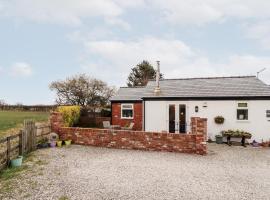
177 105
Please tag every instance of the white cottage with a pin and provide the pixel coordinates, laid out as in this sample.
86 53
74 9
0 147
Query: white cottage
167 105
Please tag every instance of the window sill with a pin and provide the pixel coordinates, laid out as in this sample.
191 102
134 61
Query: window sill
127 118
243 121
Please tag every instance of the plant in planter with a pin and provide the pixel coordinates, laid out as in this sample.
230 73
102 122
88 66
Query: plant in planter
43 143
237 134
219 120
53 141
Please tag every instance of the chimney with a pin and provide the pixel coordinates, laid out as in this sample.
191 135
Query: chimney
157 89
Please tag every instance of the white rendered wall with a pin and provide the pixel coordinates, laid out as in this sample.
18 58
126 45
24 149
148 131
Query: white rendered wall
157 116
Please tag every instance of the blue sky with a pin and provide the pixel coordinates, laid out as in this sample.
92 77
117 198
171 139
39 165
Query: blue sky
46 40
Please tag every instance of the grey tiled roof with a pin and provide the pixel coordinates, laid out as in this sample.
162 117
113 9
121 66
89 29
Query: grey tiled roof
128 94
241 86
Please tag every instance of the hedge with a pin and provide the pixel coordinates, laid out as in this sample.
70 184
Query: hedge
71 114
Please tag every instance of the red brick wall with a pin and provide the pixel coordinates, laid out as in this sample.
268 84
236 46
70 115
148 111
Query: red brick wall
195 142
137 118
56 120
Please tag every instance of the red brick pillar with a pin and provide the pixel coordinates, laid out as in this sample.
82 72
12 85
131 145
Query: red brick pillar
199 128
56 120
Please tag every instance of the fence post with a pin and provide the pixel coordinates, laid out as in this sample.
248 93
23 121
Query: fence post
21 145
8 150
34 139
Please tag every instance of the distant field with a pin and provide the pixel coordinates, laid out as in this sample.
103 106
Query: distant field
12 119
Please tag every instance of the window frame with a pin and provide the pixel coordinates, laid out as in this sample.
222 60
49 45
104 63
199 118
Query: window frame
132 108
242 108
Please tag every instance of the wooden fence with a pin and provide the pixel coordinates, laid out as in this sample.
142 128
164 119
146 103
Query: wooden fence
22 143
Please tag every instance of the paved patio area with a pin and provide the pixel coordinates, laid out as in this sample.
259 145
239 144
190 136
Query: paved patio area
82 172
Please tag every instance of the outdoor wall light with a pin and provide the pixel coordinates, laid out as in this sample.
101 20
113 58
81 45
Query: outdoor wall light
196 108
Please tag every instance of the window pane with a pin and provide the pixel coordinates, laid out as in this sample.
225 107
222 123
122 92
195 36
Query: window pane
268 113
127 113
244 105
242 114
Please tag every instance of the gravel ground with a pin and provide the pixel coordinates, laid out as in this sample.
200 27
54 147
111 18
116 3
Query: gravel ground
81 172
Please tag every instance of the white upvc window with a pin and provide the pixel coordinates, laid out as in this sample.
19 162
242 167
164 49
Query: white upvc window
242 111
127 111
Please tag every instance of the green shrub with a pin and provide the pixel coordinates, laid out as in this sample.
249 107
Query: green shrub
71 114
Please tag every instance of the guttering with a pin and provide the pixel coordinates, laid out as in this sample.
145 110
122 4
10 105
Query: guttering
126 101
208 98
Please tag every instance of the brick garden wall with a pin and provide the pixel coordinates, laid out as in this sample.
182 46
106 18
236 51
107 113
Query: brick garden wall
194 142
137 119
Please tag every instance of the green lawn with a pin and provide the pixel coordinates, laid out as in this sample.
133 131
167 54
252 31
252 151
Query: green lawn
12 119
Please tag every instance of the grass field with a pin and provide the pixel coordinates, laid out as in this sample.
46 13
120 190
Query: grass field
12 119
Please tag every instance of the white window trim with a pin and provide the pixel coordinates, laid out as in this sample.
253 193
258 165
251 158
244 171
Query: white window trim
242 108
132 105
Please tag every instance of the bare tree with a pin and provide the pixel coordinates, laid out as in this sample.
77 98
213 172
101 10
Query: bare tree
82 90
2 102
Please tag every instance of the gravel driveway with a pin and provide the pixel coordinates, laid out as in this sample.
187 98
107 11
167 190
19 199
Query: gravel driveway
82 172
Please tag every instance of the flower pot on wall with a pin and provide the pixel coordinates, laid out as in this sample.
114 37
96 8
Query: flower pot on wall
219 120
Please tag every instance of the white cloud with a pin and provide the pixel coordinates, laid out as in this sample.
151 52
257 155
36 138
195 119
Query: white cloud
118 22
68 12
115 58
200 12
259 31
191 12
21 69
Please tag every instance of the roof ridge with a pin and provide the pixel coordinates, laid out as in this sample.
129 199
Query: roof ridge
214 77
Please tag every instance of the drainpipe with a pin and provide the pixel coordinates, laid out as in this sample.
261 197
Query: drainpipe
157 89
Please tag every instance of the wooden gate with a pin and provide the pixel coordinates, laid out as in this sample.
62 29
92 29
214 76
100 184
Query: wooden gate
29 136
22 143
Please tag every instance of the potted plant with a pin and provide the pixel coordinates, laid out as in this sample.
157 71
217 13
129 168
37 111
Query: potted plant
43 143
67 142
53 144
17 162
219 120
53 141
265 144
219 139
59 143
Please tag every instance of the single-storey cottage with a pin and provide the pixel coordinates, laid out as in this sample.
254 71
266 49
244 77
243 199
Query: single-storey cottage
167 105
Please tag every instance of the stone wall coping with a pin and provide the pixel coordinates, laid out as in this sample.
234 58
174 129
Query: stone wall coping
126 131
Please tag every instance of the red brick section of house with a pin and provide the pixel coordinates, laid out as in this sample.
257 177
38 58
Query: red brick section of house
137 118
186 143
